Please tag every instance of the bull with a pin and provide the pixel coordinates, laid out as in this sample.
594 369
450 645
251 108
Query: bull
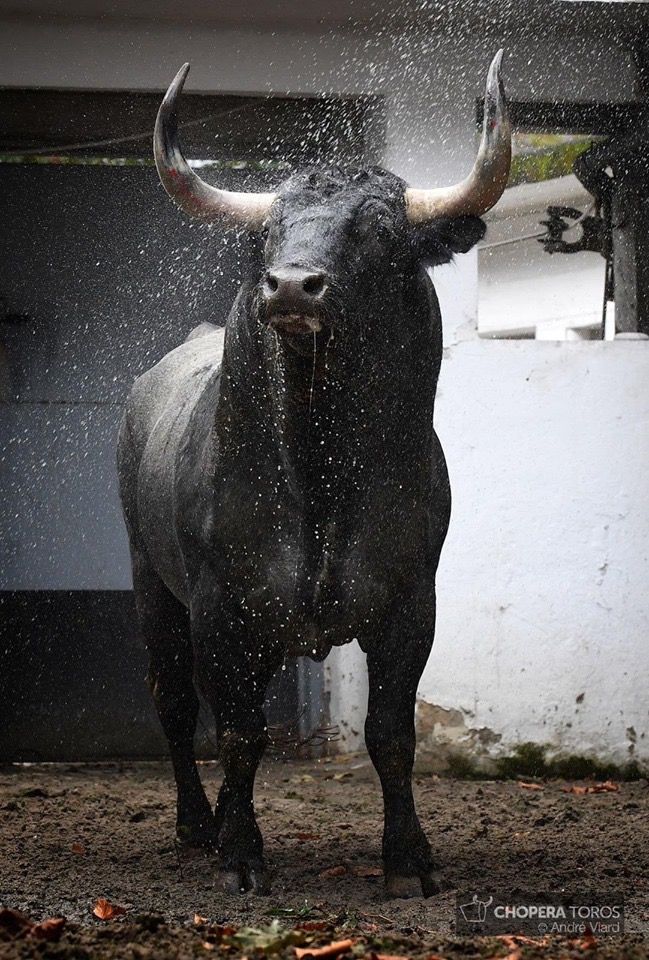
283 487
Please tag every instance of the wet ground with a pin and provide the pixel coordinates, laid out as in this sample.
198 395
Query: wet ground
72 834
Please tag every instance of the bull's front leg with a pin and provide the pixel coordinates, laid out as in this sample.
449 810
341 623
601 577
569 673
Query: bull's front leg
395 664
233 678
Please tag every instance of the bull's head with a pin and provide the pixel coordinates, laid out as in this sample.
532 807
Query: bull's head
328 231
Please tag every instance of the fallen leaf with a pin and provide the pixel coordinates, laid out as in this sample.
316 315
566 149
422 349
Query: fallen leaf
588 942
18 926
343 776
208 946
198 920
105 910
529 786
79 849
268 940
513 940
331 950
310 926
50 929
387 956
367 871
338 871
608 786
221 932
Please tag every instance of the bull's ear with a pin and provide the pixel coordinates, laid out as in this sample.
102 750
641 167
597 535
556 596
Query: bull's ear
439 240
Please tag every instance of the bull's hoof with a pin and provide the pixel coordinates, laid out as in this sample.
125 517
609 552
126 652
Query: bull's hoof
230 881
196 837
426 885
243 880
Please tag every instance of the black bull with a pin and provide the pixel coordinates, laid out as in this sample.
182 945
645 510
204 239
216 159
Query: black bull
285 491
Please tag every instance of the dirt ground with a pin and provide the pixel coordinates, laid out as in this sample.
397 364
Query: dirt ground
72 834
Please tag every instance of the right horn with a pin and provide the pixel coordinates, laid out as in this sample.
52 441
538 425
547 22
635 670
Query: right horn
193 195
485 184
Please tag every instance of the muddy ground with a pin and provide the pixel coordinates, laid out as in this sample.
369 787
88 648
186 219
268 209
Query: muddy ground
72 834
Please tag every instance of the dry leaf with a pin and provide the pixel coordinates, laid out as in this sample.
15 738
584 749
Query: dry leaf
198 920
208 946
608 786
50 929
331 950
18 926
310 926
338 871
220 932
78 848
588 942
367 871
529 786
105 910
513 940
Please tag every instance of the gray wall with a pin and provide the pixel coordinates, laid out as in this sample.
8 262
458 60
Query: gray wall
100 277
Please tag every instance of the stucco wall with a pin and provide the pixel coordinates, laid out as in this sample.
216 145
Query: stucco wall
542 598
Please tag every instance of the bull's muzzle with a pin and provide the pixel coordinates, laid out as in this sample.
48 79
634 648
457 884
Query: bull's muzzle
293 299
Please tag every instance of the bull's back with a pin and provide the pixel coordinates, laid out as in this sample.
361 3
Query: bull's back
158 412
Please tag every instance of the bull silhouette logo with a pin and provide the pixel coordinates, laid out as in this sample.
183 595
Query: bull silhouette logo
476 910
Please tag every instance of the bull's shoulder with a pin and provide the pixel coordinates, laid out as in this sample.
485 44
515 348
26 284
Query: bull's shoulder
175 381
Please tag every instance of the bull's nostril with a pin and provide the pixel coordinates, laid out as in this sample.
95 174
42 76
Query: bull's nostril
272 283
313 285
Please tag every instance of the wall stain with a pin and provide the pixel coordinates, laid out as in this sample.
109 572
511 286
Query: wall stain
447 745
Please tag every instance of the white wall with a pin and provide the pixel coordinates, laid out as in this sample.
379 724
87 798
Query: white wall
542 593
542 585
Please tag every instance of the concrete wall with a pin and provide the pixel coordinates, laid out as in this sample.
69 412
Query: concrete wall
543 613
542 608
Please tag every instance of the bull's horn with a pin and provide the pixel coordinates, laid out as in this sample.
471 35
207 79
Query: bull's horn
485 184
185 188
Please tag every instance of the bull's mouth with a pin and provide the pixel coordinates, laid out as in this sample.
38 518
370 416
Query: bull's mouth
295 323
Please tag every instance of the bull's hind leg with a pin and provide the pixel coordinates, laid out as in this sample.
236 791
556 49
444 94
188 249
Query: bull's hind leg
165 625
395 664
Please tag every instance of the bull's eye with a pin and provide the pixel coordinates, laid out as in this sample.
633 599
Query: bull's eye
382 231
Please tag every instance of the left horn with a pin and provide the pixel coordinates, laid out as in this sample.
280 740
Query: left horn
193 195
485 184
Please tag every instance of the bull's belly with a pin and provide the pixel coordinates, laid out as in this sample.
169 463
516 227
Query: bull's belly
308 614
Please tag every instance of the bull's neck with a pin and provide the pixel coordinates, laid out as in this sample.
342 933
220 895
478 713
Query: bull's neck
338 417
